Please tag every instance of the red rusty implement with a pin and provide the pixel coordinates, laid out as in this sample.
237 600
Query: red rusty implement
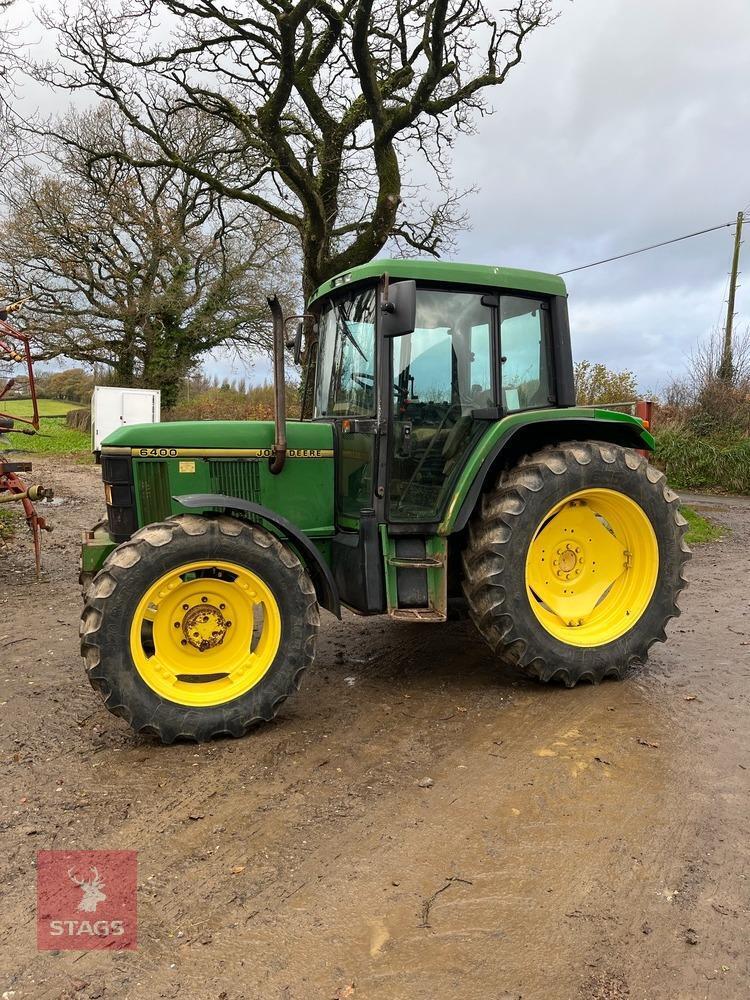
15 347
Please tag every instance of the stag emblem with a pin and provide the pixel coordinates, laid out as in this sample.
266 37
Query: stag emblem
91 889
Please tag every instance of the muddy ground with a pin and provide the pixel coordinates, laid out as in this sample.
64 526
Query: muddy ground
574 845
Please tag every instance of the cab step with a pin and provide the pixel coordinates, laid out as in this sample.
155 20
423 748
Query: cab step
416 576
416 615
414 562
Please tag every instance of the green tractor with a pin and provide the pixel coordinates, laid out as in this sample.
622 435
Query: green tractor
445 468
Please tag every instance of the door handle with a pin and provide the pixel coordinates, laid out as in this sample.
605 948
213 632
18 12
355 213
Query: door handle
406 439
357 426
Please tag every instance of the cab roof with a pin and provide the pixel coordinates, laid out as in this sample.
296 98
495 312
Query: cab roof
446 272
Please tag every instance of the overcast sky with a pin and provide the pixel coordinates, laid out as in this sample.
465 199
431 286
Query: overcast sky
626 124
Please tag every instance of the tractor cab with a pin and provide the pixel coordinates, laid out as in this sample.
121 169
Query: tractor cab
430 375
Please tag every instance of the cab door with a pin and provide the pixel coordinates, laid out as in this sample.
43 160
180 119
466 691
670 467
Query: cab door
346 394
443 383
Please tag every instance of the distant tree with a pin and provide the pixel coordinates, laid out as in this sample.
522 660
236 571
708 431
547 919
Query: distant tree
314 111
595 383
138 268
74 384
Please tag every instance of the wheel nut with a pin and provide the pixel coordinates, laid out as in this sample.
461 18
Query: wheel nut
204 600
183 642
185 607
176 624
228 624
221 607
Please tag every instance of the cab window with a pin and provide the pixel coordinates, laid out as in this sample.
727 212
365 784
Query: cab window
345 371
525 348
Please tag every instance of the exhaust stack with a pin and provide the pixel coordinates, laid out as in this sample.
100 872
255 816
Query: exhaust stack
279 387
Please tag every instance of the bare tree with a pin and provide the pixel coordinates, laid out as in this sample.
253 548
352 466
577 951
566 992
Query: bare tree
13 140
142 269
702 400
317 108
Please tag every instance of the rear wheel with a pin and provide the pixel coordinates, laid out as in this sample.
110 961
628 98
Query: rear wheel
199 627
575 561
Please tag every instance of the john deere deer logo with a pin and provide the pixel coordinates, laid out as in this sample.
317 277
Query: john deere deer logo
91 889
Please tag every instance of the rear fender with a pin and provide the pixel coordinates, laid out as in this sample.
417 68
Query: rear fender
525 438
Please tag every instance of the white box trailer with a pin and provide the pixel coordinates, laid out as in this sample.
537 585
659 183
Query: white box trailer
112 408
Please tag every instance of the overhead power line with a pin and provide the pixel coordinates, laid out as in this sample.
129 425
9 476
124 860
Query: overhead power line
654 246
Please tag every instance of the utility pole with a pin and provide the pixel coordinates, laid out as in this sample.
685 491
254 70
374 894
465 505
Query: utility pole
726 368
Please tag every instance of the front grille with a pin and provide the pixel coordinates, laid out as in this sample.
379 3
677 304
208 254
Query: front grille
236 478
156 502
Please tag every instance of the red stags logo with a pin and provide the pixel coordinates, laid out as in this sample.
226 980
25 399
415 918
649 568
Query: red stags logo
86 899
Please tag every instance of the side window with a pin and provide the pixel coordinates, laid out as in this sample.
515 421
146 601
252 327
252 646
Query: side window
345 375
525 349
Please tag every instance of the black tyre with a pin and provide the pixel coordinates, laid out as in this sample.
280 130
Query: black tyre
199 627
537 542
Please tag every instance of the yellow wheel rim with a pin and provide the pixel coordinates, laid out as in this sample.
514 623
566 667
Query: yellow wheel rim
591 567
205 633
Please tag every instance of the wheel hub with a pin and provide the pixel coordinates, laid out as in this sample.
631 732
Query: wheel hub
204 627
569 561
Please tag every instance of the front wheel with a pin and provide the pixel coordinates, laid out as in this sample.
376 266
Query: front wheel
199 627
575 561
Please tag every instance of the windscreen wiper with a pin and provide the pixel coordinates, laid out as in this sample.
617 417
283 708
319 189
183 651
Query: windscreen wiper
347 333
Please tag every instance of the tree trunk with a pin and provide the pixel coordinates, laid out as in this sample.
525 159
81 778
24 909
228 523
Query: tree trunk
310 282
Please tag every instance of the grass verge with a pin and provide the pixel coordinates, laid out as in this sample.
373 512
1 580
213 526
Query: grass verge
704 464
700 529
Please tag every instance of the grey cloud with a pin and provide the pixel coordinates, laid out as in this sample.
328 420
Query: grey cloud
626 124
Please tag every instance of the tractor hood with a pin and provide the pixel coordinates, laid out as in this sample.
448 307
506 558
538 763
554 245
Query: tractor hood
305 440
223 458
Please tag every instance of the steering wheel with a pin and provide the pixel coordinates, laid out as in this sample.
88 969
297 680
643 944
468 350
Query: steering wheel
359 375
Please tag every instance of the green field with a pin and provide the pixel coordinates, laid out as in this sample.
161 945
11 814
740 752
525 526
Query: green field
54 438
47 407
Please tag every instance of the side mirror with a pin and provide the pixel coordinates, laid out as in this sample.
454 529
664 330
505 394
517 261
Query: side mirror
398 312
295 343
297 353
